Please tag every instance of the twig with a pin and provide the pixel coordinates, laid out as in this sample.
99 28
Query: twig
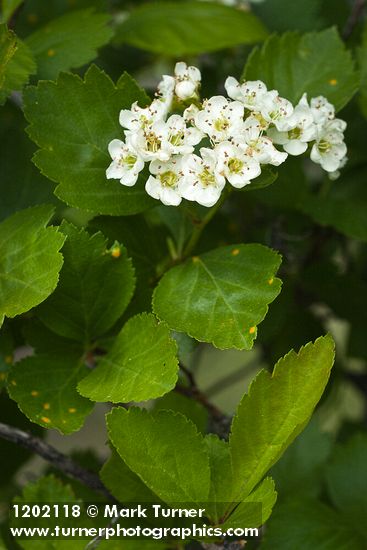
200 397
189 375
194 392
353 19
60 461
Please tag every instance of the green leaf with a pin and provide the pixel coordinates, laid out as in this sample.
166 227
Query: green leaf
141 364
255 509
346 476
16 63
220 495
8 7
87 112
220 296
314 525
44 387
286 400
94 290
317 63
165 450
29 260
145 244
123 483
170 28
69 41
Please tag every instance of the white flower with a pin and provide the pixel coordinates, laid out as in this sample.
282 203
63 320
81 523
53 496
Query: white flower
238 167
166 90
138 118
256 145
164 139
220 118
297 130
165 186
336 174
202 182
190 113
330 150
249 93
187 81
148 142
184 85
178 138
126 163
322 110
275 109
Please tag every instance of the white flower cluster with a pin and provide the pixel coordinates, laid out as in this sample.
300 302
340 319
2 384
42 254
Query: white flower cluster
238 134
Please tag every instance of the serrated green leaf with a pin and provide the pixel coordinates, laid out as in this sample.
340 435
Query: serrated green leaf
44 387
286 400
123 483
141 364
317 63
255 509
29 260
73 121
220 495
69 41
165 450
169 28
220 296
346 476
145 244
314 525
94 289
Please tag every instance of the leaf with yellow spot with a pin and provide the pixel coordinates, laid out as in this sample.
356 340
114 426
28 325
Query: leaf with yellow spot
94 290
44 387
221 296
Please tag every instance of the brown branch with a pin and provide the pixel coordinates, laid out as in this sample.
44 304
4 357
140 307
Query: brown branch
354 17
194 392
54 457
